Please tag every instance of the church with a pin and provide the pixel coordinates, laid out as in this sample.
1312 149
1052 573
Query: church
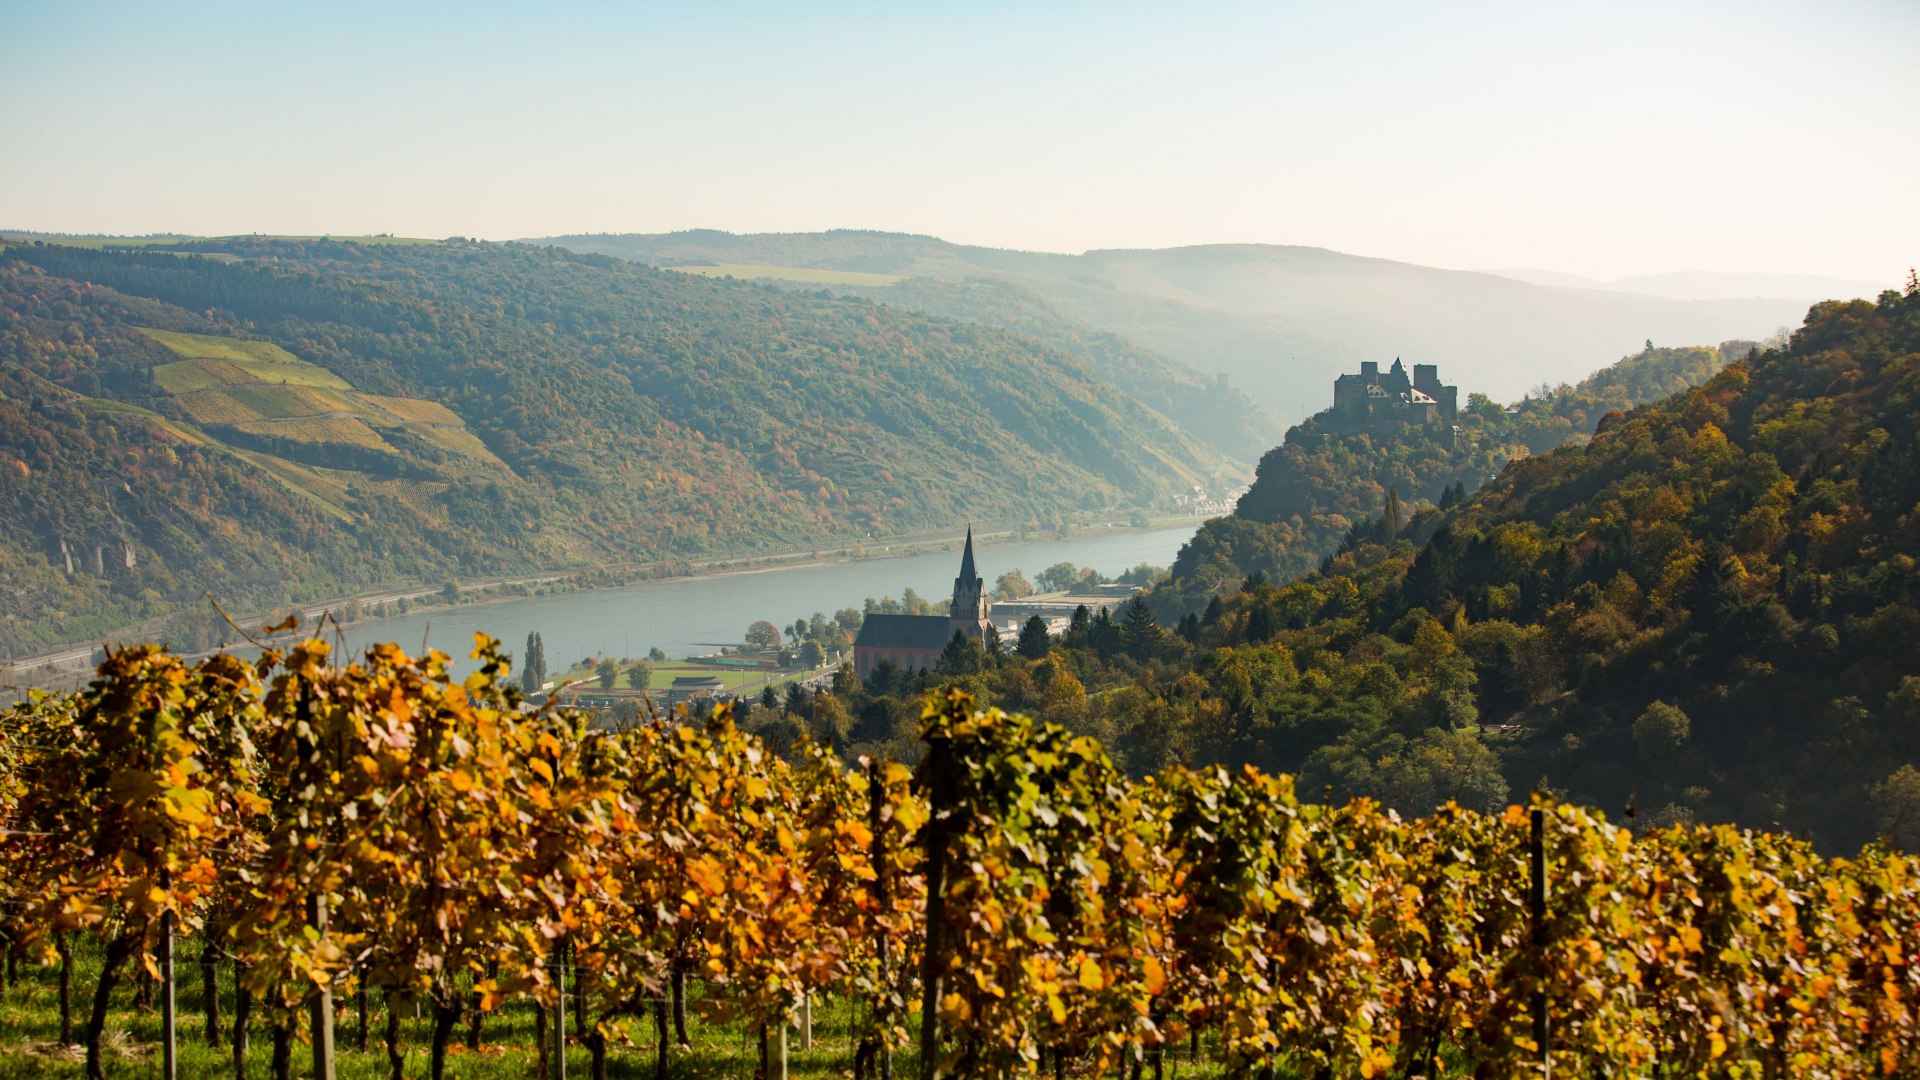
914 642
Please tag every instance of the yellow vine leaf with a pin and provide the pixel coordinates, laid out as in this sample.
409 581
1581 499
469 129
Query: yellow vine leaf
1090 976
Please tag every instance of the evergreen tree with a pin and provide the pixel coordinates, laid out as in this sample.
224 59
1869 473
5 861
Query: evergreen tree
846 683
1392 517
533 674
1103 633
886 679
1034 639
962 656
1138 630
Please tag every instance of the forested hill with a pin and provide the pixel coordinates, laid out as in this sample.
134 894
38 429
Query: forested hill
1210 408
283 420
1323 481
1708 611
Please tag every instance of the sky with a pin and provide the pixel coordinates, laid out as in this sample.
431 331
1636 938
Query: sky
1601 139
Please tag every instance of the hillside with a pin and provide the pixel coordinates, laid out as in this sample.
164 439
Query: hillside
275 420
1207 408
1312 491
1707 612
1279 321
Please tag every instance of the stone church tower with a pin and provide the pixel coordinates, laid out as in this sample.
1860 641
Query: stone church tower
914 642
968 612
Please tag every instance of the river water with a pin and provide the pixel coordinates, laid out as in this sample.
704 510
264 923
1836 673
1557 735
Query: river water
691 616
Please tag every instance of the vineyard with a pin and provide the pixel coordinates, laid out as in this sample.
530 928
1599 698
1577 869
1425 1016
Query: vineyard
377 832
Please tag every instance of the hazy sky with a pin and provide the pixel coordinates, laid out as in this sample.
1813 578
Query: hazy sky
1596 138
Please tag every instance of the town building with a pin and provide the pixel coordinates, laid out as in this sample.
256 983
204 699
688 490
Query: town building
914 642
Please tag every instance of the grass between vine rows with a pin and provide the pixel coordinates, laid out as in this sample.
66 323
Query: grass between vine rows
30 1030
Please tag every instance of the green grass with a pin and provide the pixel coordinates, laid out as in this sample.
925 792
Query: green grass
808 274
29 1030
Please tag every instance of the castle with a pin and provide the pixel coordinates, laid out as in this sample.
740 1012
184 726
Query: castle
914 642
1371 398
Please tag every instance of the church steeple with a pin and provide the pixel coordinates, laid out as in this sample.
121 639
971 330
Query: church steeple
969 605
966 558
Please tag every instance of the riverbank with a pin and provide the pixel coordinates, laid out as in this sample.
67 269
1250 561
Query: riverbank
417 605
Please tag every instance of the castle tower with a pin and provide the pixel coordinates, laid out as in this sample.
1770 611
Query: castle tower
968 612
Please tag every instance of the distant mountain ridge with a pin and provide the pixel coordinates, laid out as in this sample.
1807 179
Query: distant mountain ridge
1708 285
1279 321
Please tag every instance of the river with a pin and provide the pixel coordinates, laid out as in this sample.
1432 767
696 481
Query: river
694 615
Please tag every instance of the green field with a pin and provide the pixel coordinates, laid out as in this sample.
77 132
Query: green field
808 274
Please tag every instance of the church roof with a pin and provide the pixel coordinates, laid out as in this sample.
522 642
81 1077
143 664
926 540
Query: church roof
904 632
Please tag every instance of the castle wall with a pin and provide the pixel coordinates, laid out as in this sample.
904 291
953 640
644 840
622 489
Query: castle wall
1373 398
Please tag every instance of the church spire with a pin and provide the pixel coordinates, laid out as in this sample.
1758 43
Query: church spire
966 559
969 608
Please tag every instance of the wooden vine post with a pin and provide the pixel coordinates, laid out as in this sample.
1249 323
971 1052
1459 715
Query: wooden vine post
1537 915
938 782
876 800
557 961
320 1009
773 1048
169 1046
